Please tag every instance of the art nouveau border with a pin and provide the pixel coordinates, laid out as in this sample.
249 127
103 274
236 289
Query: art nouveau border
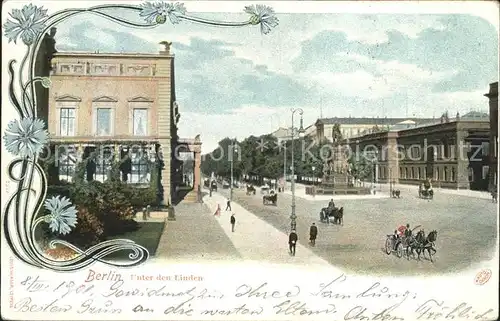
26 136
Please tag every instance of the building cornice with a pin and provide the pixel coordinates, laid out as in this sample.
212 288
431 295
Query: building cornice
113 55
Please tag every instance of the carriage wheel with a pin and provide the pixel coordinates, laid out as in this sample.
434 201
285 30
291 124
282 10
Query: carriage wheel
399 250
388 246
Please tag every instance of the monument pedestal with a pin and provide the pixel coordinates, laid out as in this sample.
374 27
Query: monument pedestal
337 183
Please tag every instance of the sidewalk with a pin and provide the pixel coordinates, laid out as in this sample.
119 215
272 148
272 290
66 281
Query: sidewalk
256 240
194 236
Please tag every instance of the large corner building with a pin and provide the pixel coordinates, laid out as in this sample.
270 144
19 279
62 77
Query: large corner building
115 104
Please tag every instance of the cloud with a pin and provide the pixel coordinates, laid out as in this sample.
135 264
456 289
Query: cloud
87 36
237 82
214 80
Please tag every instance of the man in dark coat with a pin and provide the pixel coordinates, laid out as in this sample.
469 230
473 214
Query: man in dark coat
313 233
233 222
228 205
292 242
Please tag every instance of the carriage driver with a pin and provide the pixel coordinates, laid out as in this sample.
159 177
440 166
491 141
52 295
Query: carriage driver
331 204
404 230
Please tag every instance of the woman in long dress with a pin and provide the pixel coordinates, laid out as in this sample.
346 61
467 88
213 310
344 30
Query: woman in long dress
217 211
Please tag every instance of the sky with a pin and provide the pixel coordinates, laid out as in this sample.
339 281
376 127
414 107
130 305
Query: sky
237 82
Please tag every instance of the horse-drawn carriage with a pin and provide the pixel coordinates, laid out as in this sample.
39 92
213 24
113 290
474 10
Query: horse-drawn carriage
272 198
250 190
425 192
327 213
409 244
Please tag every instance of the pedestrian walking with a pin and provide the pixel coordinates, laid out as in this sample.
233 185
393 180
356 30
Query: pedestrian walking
292 242
233 222
228 205
217 211
313 233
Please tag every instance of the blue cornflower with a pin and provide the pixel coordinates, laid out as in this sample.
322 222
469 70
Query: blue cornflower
62 215
25 138
28 23
157 12
263 15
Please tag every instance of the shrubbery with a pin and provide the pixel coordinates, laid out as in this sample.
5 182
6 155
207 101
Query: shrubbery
104 209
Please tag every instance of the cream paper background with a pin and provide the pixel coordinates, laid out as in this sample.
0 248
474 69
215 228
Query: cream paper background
225 278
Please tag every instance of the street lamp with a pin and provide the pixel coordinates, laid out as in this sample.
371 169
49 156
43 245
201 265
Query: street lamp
301 132
233 150
284 166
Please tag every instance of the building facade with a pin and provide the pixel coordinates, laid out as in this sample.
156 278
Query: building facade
351 127
493 102
122 107
454 154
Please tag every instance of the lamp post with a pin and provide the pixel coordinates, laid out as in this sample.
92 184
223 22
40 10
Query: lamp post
293 217
284 167
233 149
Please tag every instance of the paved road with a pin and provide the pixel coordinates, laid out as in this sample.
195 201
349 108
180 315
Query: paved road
466 230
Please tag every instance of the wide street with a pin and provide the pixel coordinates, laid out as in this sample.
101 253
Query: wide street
466 229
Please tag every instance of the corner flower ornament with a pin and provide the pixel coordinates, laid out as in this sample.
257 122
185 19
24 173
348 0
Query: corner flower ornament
28 23
26 137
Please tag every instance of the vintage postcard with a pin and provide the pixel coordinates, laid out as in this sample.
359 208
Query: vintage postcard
206 160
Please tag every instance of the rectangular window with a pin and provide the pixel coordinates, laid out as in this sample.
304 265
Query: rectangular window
67 122
445 173
103 122
453 174
140 122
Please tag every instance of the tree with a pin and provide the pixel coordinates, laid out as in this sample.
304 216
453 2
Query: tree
361 167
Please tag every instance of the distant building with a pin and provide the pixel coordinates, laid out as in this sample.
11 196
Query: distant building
282 134
285 134
493 152
454 153
351 127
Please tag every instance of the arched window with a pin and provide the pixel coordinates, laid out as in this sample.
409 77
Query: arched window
66 162
445 174
103 162
140 171
453 174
